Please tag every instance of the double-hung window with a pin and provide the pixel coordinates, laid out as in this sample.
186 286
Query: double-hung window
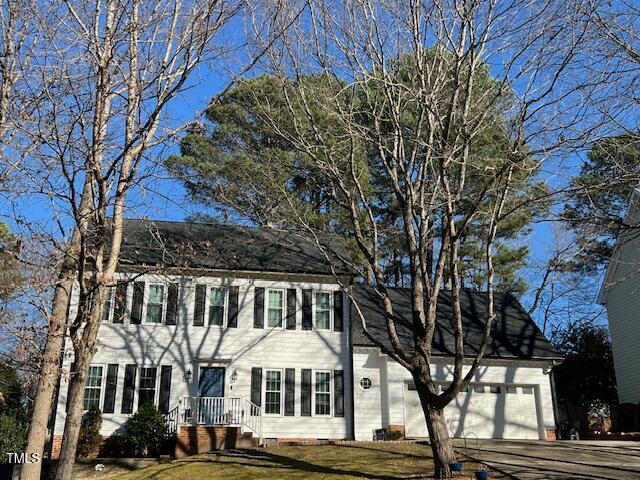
108 306
147 387
322 393
323 311
155 303
275 302
216 306
273 392
93 388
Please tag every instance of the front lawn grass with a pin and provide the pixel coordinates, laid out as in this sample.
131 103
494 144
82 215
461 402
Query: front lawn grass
382 461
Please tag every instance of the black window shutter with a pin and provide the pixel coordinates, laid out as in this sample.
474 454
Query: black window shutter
233 307
128 389
198 309
256 385
338 393
136 308
119 310
307 318
165 388
172 304
305 407
338 311
258 308
289 391
291 309
110 389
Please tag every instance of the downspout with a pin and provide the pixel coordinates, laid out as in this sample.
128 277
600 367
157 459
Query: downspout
554 399
353 380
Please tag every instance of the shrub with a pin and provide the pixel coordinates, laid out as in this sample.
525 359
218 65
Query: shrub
145 432
89 439
394 435
12 435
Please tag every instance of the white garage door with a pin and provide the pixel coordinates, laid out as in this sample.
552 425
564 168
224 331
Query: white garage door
488 411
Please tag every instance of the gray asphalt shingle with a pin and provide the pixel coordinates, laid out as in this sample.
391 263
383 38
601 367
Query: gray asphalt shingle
513 335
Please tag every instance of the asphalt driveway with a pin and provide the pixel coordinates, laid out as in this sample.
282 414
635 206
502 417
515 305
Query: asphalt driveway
566 460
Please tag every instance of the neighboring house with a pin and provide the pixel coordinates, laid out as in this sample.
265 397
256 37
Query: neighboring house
620 293
227 327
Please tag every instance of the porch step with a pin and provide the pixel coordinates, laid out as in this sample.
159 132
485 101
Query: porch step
192 440
247 440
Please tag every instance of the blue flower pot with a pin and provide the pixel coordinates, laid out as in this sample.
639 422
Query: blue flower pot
456 467
482 475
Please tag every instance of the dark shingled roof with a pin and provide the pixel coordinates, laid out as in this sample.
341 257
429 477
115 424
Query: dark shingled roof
514 334
226 247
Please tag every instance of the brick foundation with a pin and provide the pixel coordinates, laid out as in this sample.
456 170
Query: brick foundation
110 447
551 434
192 440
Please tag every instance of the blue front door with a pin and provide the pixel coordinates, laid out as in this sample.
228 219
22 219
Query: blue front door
211 384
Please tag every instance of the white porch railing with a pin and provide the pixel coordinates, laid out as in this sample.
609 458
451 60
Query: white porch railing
228 411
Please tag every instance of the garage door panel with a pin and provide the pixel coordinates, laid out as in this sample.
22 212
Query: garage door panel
487 414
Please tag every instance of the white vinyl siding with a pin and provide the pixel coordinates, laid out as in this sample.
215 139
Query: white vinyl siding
188 347
155 303
273 392
93 387
217 298
275 307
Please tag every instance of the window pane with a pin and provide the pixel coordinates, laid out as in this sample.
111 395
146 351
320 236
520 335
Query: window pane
93 388
217 297
94 378
273 385
216 314
91 398
322 301
107 305
147 387
323 397
275 299
154 303
323 321
154 313
156 292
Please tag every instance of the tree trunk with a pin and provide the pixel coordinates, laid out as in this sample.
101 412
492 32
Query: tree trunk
49 375
439 438
74 416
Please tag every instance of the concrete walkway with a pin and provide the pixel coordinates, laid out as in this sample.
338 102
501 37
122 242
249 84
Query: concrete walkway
561 460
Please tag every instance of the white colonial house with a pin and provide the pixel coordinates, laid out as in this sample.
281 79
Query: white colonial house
241 333
620 293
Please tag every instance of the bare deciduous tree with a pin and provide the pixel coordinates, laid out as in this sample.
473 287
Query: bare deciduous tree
408 105
115 68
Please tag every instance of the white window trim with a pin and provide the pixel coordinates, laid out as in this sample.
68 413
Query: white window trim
283 320
225 315
313 305
282 388
313 394
145 297
102 385
136 390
